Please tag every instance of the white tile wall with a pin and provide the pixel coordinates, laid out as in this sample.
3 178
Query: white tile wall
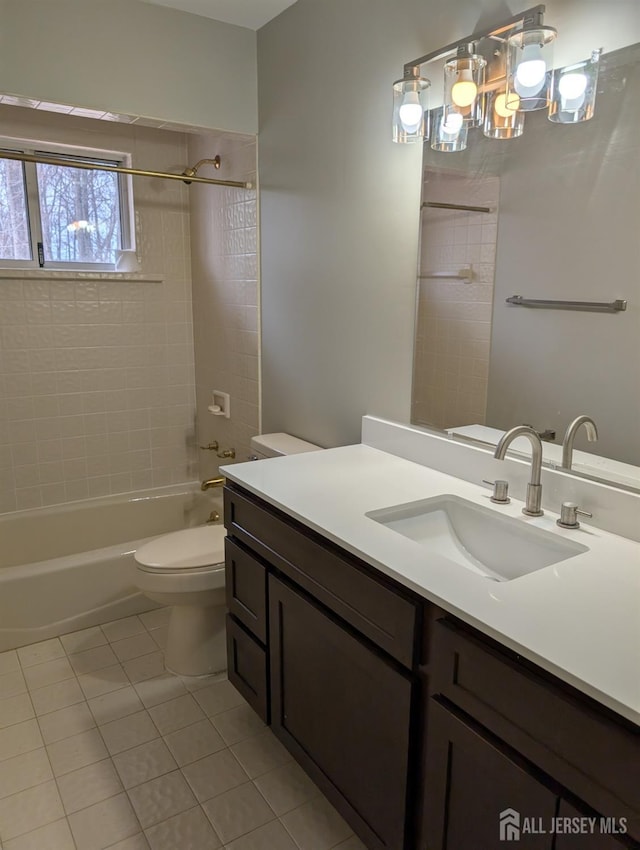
453 329
225 296
97 376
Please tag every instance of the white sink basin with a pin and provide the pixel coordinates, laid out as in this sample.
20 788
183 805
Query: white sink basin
497 547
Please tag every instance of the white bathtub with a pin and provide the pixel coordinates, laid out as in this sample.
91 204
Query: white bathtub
72 566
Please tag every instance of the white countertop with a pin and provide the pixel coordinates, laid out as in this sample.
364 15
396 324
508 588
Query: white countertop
578 619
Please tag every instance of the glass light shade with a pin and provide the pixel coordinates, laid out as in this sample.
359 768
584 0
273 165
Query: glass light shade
529 63
449 131
463 86
500 122
411 110
573 91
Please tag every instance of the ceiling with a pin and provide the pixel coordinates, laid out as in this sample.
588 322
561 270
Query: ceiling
244 13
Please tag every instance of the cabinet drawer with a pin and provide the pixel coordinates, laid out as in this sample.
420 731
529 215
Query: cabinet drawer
335 578
246 589
247 667
585 749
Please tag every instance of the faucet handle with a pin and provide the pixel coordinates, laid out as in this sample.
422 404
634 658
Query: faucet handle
230 453
500 491
210 447
569 515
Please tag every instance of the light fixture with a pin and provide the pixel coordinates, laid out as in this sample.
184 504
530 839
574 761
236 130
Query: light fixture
449 132
411 107
501 122
464 84
573 91
529 64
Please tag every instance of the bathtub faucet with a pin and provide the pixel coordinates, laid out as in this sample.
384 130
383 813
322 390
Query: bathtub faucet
212 482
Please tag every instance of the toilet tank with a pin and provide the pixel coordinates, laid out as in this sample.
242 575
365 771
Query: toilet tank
276 445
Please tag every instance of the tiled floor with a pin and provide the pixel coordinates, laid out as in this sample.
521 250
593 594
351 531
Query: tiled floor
101 748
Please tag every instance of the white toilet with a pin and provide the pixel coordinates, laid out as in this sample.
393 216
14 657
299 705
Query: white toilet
185 569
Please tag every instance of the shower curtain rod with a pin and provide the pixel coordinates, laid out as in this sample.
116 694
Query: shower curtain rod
120 169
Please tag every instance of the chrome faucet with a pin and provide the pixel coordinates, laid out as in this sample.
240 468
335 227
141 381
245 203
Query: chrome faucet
212 482
570 435
534 487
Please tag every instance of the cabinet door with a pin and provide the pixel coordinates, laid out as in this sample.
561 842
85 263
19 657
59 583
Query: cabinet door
344 712
591 832
471 784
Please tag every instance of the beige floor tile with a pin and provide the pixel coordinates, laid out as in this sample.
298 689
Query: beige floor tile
176 714
90 660
76 752
237 812
115 705
140 764
120 629
57 696
24 771
316 825
189 830
66 722
83 640
136 842
261 753
214 775
15 710
134 647
12 684
219 697
237 724
104 823
194 742
156 618
161 689
54 836
161 798
286 788
103 681
38 653
20 738
48 673
146 667
9 661
30 810
89 785
128 732
352 843
272 836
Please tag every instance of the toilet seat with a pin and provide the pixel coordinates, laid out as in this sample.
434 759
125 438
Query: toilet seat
191 549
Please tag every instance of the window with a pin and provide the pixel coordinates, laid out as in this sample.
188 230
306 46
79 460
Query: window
57 216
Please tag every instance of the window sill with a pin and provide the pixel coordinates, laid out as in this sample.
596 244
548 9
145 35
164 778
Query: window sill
64 274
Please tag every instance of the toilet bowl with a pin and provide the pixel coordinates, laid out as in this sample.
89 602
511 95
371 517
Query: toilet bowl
185 569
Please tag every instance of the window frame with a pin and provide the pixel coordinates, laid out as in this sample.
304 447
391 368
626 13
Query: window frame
32 200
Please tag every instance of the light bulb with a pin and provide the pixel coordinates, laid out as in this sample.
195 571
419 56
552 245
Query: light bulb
464 91
410 113
532 68
500 105
452 124
572 86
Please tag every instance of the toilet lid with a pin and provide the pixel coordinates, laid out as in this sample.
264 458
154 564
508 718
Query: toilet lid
193 547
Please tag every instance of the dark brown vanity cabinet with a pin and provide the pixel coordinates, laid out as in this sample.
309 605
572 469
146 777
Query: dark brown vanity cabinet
420 730
326 651
501 734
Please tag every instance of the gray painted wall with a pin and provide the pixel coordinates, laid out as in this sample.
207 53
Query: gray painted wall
339 201
130 57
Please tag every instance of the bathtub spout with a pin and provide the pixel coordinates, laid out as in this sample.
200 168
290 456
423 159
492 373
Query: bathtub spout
212 482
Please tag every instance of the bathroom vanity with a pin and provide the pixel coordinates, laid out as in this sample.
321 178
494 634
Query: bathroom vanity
423 699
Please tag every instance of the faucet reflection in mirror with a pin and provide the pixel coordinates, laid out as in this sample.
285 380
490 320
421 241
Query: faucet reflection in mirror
491 80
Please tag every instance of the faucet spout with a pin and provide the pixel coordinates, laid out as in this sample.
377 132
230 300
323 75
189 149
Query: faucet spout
570 435
534 488
212 482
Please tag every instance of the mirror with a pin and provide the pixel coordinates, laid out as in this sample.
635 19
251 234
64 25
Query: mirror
551 215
